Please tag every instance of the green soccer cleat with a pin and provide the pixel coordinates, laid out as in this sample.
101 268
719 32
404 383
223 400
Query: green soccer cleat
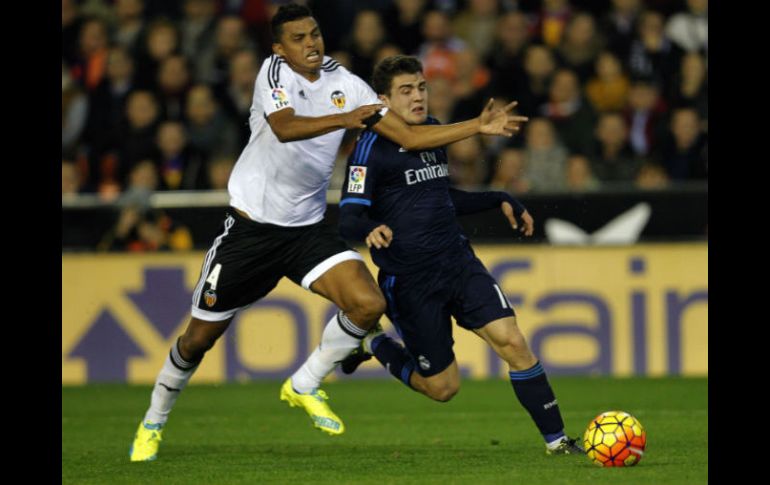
315 405
146 442
567 446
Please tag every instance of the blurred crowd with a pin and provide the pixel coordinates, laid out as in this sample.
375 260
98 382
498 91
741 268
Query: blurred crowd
156 93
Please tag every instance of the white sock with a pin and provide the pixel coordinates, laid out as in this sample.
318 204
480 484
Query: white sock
173 377
339 338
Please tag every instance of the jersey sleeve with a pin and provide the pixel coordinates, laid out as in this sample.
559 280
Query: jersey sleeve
364 95
358 189
360 172
274 85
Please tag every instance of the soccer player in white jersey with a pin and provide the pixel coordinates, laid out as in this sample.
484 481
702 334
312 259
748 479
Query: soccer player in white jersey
303 102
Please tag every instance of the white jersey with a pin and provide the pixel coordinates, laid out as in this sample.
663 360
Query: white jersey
285 183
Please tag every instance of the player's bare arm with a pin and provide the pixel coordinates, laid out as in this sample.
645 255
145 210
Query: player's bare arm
491 121
288 126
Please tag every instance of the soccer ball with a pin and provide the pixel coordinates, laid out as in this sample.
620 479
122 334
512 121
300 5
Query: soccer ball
615 438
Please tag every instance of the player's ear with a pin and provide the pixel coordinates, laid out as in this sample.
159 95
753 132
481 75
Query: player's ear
384 100
278 49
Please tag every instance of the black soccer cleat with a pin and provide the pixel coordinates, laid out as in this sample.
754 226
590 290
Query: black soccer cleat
568 446
350 363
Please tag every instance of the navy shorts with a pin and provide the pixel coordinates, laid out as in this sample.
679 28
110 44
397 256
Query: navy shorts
421 304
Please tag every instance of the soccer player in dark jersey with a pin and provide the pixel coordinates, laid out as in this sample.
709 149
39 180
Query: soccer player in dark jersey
401 204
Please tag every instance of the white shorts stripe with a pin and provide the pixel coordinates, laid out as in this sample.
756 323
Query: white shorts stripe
503 300
207 262
326 265
215 316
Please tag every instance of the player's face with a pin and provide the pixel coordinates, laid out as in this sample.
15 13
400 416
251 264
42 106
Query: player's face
408 97
302 46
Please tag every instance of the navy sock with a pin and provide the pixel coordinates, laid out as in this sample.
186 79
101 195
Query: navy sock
393 357
535 394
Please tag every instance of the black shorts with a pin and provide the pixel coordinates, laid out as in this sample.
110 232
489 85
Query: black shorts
421 305
248 258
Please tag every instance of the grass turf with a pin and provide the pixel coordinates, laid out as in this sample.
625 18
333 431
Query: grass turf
242 433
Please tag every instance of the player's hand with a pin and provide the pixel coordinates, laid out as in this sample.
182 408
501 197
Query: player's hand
355 119
380 237
500 121
528 224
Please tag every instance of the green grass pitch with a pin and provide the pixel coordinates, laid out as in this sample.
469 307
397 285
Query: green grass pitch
242 433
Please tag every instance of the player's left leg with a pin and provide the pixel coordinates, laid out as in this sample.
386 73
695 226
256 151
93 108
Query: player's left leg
529 382
484 309
331 269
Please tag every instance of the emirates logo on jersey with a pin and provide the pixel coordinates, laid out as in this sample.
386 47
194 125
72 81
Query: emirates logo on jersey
338 98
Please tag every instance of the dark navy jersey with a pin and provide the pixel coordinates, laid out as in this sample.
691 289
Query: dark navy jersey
409 192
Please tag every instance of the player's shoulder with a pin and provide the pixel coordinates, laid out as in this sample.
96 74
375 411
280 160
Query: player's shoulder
432 121
275 70
333 70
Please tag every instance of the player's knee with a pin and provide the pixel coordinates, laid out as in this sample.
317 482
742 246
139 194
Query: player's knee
367 307
193 345
443 392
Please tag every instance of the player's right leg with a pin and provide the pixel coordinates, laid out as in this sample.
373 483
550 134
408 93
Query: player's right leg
235 273
417 306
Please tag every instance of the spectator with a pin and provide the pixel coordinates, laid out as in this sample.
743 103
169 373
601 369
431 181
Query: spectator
685 152
210 132
580 45
476 25
546 157
619 25
539 67
386 50
74 110
130 28
510 172
162 42
237 96
367 36
651 176
613 159
180 167
70 179
94 47
213 65
552 21
438 52
644 116
572 117
219 172
173 85
691 86
690 30
136 140
506 61
608 90
107 107
470 86
579 175
198 27
441 101
467 167
402 22
652 55
71 23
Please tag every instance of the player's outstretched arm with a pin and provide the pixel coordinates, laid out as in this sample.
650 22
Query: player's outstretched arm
287 126
421 137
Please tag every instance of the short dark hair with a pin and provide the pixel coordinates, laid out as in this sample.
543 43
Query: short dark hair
287 13
390 67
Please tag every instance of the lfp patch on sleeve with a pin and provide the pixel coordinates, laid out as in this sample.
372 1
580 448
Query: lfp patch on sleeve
280 98
357 180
